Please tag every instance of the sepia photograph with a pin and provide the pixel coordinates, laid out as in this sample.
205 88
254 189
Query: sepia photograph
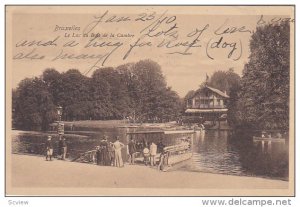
149 100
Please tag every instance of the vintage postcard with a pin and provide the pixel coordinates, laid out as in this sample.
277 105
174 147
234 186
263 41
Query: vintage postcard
150 100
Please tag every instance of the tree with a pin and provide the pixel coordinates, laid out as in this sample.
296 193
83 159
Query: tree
33 106
224 80
234 82
74 94
264 97
130 81
169 105
135 89
150 98
100 96
149 84
53 80
119 97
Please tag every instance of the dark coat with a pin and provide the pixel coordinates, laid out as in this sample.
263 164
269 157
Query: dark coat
104 154
131 147
49 144
60 147
98 157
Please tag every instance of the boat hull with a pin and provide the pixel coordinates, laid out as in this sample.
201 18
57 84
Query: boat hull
173 160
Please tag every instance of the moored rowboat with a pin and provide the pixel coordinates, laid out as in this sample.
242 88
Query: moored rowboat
268 139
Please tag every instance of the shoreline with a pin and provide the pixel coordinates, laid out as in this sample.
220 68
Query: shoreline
34 172
172 169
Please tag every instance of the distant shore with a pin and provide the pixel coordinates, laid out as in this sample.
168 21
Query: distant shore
34 172
99 124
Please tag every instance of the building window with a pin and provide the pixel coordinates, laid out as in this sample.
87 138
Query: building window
204 103
197 102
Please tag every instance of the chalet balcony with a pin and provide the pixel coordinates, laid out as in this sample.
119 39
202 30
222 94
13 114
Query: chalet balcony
206 106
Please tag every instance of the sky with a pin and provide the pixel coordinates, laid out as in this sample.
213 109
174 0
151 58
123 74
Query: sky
187 42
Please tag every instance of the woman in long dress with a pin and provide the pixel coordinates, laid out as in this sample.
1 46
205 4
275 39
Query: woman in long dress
104 152
98 155
118 155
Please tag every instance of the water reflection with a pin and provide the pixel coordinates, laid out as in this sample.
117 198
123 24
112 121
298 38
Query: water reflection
213 153
82 141
218 151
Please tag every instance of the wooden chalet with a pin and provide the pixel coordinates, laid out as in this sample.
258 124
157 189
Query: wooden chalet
207 104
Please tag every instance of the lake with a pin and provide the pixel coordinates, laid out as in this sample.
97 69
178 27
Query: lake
223 152
214 151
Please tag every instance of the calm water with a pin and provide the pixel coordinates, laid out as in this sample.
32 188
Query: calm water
214 151
77 142
225 153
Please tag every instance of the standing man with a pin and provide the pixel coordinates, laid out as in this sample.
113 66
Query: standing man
64 145
153 151
60 148
160 147
49 148
118 155
131 150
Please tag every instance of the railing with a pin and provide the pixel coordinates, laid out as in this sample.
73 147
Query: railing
177 148
89 156
176 154
206 106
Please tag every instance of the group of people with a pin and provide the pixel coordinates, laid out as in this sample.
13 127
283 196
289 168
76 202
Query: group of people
149 152
62 148
109 154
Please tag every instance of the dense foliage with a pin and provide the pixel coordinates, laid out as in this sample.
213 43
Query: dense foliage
225 81
229 82
137 91
264 96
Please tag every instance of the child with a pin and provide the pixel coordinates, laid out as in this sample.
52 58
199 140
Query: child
146 153
49 148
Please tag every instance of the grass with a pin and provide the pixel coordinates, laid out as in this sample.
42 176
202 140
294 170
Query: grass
93 123
97 123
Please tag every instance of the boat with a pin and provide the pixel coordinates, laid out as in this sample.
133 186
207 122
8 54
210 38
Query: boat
173 147
177 145
268 139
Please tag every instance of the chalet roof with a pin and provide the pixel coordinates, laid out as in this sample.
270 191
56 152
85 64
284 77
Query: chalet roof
214 90
218 91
